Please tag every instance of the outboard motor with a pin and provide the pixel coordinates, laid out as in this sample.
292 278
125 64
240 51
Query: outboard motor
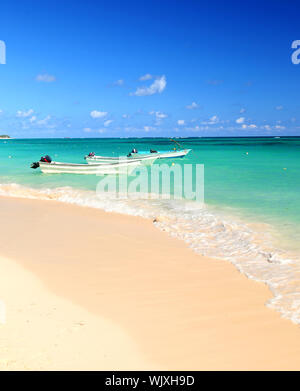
134 150
35 165
45 159
153 151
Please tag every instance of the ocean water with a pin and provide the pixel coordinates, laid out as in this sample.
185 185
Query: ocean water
251 215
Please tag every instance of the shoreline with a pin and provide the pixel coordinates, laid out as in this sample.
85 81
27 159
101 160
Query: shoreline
181 310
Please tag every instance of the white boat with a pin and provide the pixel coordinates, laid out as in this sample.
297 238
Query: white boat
173 154
144 157
144 160
96 169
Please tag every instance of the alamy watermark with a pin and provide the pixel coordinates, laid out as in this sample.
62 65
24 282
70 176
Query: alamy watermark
296 54
2 52
178 181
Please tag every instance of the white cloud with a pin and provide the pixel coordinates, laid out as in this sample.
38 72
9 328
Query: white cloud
279 107
118 82
87 130
242 110
98 114
212 121
146 77
148 128
157 87
158 114
24 114
108 122
192 106
279 127
44 121
267 127
32 119
125 116
240 120
46 78
251 126
181 122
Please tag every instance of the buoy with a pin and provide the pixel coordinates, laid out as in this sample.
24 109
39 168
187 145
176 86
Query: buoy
284 168
247 153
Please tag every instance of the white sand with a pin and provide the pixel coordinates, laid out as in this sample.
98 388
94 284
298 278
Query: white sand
113 292
45 332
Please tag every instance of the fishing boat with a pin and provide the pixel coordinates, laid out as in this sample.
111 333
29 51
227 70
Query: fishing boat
165 154
145 160
48 166
144 157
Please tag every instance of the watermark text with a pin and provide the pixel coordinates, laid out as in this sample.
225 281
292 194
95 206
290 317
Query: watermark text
178 181
296 54
2 52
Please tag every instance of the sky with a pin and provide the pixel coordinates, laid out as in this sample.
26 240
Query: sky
157 68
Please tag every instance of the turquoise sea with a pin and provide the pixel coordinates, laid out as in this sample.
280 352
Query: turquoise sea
251 215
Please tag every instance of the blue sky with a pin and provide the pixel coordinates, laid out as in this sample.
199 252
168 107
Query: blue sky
149 68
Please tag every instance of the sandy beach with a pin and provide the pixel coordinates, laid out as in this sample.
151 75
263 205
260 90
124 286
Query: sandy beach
85 289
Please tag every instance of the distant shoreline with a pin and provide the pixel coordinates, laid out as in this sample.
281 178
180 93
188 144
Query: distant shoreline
150 138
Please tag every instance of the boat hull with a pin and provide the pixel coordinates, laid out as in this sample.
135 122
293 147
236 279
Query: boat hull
145 161
86 169
144 158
